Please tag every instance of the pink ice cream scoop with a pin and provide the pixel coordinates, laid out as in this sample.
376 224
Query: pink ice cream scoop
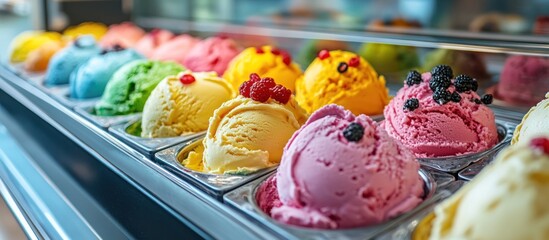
212 54
176 49
125 34
341 171
524 80
150 42
450 121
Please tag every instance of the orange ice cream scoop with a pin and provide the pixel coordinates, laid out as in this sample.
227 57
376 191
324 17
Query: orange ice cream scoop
38 60
266 61
342 78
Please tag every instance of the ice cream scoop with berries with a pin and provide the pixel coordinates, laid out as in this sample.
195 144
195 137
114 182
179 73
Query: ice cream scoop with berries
267 61
507 200
343 78
248 133
436 114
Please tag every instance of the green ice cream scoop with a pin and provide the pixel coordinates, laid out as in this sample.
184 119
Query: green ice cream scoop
131 85
390 59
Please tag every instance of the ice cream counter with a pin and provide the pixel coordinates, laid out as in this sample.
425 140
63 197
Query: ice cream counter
104 182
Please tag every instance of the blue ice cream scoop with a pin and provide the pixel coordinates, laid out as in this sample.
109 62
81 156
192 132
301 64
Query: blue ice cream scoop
68 59
90 79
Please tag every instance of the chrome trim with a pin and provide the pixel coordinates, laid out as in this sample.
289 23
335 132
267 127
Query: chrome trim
448 39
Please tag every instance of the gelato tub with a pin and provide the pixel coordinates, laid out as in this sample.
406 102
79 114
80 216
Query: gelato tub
130 133
214 184
88 112
244 200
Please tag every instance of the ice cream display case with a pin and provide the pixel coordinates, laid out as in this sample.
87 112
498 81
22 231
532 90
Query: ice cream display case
242 119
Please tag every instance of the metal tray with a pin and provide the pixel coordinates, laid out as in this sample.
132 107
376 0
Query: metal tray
472 171
15 68
87 111
441 178
129 133
214 184
407 227
64 98
455 163
243 199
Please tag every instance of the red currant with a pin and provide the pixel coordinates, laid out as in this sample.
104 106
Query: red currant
323 54
187 79
354 61
541 143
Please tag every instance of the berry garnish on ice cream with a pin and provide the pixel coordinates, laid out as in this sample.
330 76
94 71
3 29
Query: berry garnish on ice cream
437 115
261 89
541 143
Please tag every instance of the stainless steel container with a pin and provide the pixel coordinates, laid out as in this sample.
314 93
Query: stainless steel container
244 200
129 133
456 163
214 184
64 98
88 112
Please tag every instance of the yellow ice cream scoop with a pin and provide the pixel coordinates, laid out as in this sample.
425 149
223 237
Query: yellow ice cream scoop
342 78
97 30
246 135
534 123
183 104
28 41
507 200
266 61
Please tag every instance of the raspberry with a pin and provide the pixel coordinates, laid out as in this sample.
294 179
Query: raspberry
187 79
269 82
442 70
354 61
255 77
286 58
354 132
245 88
414 77
260 92
411 104
281 94
323 54
259 50
487 99
439 81
275 51
540 143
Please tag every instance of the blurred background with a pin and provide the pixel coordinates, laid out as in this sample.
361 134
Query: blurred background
475 37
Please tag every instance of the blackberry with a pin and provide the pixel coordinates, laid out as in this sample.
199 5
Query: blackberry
465 83
442 70
342 67
354 132
442 96
475 86
477 101
414 77
487 99
455 97
411 104
439 81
